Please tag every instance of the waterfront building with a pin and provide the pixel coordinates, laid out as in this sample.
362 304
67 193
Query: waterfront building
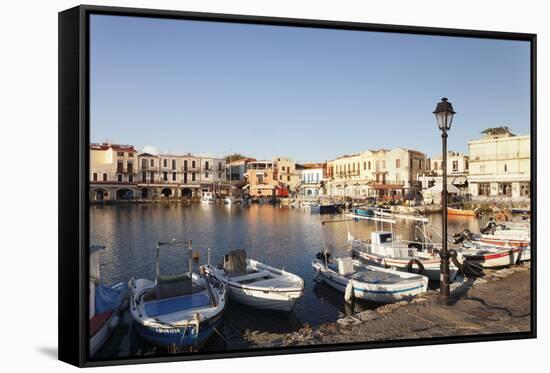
261 178
112 172
287 175
500 166
313 179
382 173
457 171
236 169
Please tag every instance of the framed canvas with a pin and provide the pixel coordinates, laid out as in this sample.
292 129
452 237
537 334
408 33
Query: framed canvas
236 186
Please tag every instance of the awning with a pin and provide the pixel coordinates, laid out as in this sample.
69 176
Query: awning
437 188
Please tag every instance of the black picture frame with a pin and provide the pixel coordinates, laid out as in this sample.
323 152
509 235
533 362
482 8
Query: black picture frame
74 165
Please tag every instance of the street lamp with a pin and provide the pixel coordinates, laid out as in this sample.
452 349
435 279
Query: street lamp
444 114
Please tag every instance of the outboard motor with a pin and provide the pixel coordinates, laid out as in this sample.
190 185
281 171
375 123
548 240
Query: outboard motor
489 227
323 256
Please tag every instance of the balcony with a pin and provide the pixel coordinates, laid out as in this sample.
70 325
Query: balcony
130 171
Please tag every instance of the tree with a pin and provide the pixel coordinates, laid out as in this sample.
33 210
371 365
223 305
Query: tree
497 131
234 157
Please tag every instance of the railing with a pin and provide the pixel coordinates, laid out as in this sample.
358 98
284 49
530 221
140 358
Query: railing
125 171
499 156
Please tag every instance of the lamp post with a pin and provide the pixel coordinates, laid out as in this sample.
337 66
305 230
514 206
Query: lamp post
444 114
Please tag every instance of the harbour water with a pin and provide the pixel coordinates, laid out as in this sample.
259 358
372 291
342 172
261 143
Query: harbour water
277 235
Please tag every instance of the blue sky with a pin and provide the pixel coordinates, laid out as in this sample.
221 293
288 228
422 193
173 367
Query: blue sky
310 94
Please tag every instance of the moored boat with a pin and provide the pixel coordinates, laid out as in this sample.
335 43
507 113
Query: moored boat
177 312
385 250
461 212
106 302
208 198
257 284
366 282
490 256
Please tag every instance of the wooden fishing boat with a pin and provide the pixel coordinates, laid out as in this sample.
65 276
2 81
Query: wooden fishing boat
177 312
489 256
385 250
256 284
366 282
460 212
208 198
106 303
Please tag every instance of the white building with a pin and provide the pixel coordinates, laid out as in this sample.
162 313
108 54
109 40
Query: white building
457 171
500 165
312 180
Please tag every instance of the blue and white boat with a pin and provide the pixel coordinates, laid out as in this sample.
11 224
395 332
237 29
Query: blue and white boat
106 303
177 312
365 282
361 211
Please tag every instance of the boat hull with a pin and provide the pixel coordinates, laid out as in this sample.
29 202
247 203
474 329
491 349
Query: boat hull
458 212
432 267
373 292
179 338
103 334
267 301
501 258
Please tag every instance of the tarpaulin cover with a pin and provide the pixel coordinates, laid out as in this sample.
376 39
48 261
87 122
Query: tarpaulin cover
109 298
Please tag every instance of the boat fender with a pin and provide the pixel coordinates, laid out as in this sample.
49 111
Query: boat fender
518 260
454 259
418 263
114 322
349 294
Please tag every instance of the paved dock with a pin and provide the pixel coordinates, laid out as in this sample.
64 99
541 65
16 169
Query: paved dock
497 303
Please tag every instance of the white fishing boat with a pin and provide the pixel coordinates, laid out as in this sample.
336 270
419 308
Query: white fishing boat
178 312
231 200
256 284
490 256
365 282
385 250
208 198
106 303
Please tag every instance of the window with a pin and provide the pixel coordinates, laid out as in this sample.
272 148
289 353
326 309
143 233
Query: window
219 166
206 175
144 176
455 166
131 178
165 176
484 189
219 175
143 163
206 165
505 168
165 163
369 165
104 177
283 168
288 178
119 178
130 154
173 176
436 165
398 163
94 176
185 165
120 154
130 166
152 175
364 166
193 164
119 166
193 177
152 163
173 164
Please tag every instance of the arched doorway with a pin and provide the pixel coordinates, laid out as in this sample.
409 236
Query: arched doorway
186 193
144 193
166 192
124 194
98 195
